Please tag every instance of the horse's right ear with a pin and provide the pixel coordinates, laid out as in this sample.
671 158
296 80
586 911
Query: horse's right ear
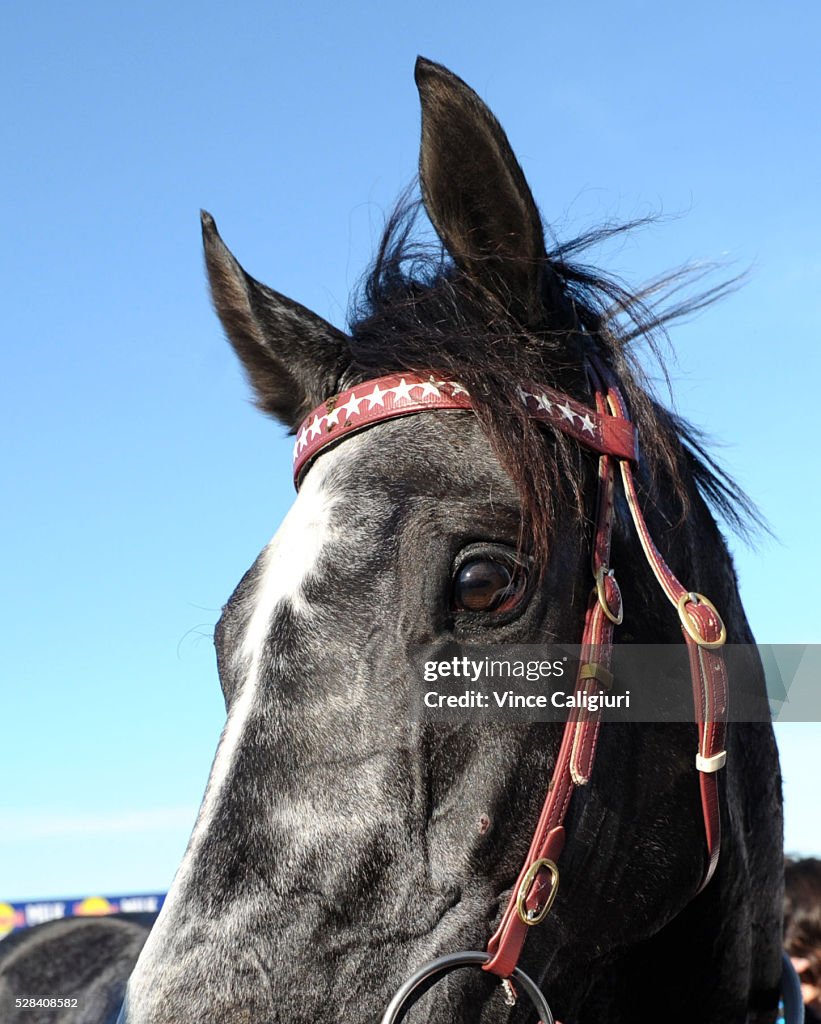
292 357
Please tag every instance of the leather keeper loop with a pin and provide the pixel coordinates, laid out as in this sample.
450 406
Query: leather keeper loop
592 670
711 764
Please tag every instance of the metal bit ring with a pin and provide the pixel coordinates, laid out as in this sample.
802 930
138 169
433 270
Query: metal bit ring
429 973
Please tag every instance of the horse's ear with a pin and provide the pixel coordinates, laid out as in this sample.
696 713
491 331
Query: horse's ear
475 192
292 357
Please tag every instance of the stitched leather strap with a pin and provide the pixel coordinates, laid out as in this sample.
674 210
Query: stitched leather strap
704 634
404 394
574 763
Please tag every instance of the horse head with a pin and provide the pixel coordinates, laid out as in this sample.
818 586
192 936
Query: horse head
341 841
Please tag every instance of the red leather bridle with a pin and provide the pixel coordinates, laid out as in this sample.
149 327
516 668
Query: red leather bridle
605 429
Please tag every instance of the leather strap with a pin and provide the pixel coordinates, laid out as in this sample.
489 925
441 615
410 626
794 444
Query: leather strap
704 634
403 394
574 763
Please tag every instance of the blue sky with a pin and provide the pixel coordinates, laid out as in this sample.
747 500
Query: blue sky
139 481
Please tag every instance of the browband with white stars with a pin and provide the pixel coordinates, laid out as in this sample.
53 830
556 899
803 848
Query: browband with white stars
403 394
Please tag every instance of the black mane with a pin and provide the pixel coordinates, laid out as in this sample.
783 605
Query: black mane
415 311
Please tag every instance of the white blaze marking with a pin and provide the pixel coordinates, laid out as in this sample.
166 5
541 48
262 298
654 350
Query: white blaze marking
287 562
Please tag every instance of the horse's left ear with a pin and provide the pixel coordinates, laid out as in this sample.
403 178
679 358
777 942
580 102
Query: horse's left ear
292 357
476 194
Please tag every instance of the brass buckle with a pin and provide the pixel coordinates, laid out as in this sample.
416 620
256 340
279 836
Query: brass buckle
690 624
537 915
601 572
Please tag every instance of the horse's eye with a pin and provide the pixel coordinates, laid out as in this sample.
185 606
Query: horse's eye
487 585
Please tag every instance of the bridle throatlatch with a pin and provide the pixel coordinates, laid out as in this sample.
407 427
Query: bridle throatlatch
605 429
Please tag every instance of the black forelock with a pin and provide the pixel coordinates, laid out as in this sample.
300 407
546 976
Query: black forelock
416 311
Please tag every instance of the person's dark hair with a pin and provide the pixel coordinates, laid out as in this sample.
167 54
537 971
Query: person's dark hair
802 912
803 920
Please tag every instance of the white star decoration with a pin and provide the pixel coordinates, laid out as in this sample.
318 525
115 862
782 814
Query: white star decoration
351 407
302 440
429 388
403 391
543 404
332 418
567 412
376 397
316 426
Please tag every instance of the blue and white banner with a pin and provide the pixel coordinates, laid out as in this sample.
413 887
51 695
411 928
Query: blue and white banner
14 916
